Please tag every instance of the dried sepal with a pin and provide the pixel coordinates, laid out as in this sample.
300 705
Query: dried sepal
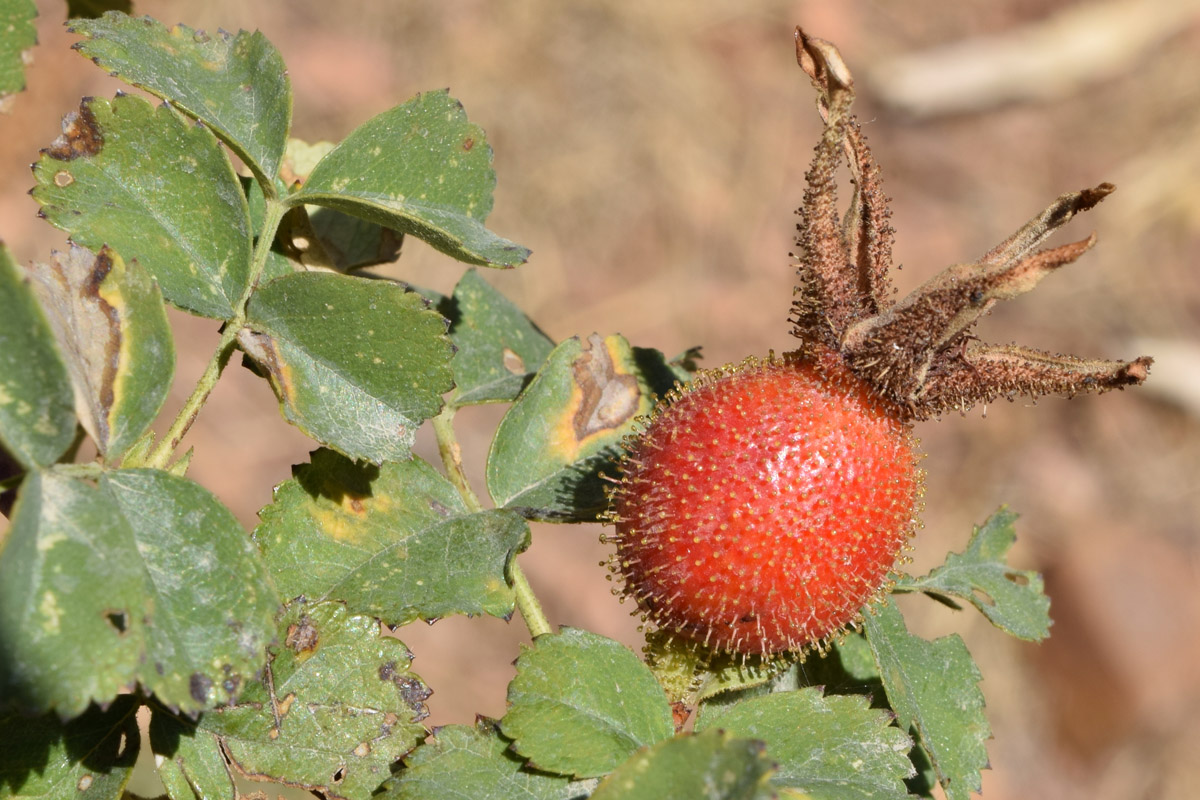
919 353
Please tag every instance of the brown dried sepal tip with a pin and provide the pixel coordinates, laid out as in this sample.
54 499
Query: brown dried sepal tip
919 352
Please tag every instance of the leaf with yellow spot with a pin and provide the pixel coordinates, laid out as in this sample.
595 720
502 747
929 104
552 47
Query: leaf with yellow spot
37 416
115 562
394 541
157 189
566 427
420 168
357 364
236 84
112 327
337 706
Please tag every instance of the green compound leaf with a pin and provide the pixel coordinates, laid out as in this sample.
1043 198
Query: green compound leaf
337 708
96 579
581 704
420 168
567 425
112 327
472 763
830 748
88 758
357 364
18 34
499 348
711 765
156 188
37 406
394 541
237 85
934 689
1013 600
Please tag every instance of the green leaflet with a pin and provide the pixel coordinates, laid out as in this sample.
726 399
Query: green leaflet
934 689
1012 599
830 748
499 348
112 327
236 84
581 704
338 708
117 562
18 33
37 406
89 758
420 168
357 364
156 188
710 765
394 541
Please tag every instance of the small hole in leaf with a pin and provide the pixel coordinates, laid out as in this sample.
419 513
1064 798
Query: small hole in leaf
1018 578
62 179
118 619
983 597
121 746
337 776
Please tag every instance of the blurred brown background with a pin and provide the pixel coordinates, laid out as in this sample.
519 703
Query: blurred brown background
651 155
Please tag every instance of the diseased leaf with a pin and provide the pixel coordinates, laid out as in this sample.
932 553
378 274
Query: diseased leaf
499 348
37 407
112 327
336 709
394 541
237 85
89 758
711 765
154 187
357 364
117 564
1012 599
18 35
420 168
461 761
933 688
581 704
567 425
830 748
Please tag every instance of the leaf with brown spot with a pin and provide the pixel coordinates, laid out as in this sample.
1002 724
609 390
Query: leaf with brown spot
331 719
236 84
149 549
157 189
357 364
547 455
394 541
111 325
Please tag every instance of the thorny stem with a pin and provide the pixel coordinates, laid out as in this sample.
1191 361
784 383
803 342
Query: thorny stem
162 453
451 453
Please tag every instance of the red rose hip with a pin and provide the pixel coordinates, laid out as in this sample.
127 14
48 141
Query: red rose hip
765 505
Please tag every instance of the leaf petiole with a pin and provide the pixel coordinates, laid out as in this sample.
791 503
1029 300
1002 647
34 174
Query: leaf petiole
451 453
162 453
